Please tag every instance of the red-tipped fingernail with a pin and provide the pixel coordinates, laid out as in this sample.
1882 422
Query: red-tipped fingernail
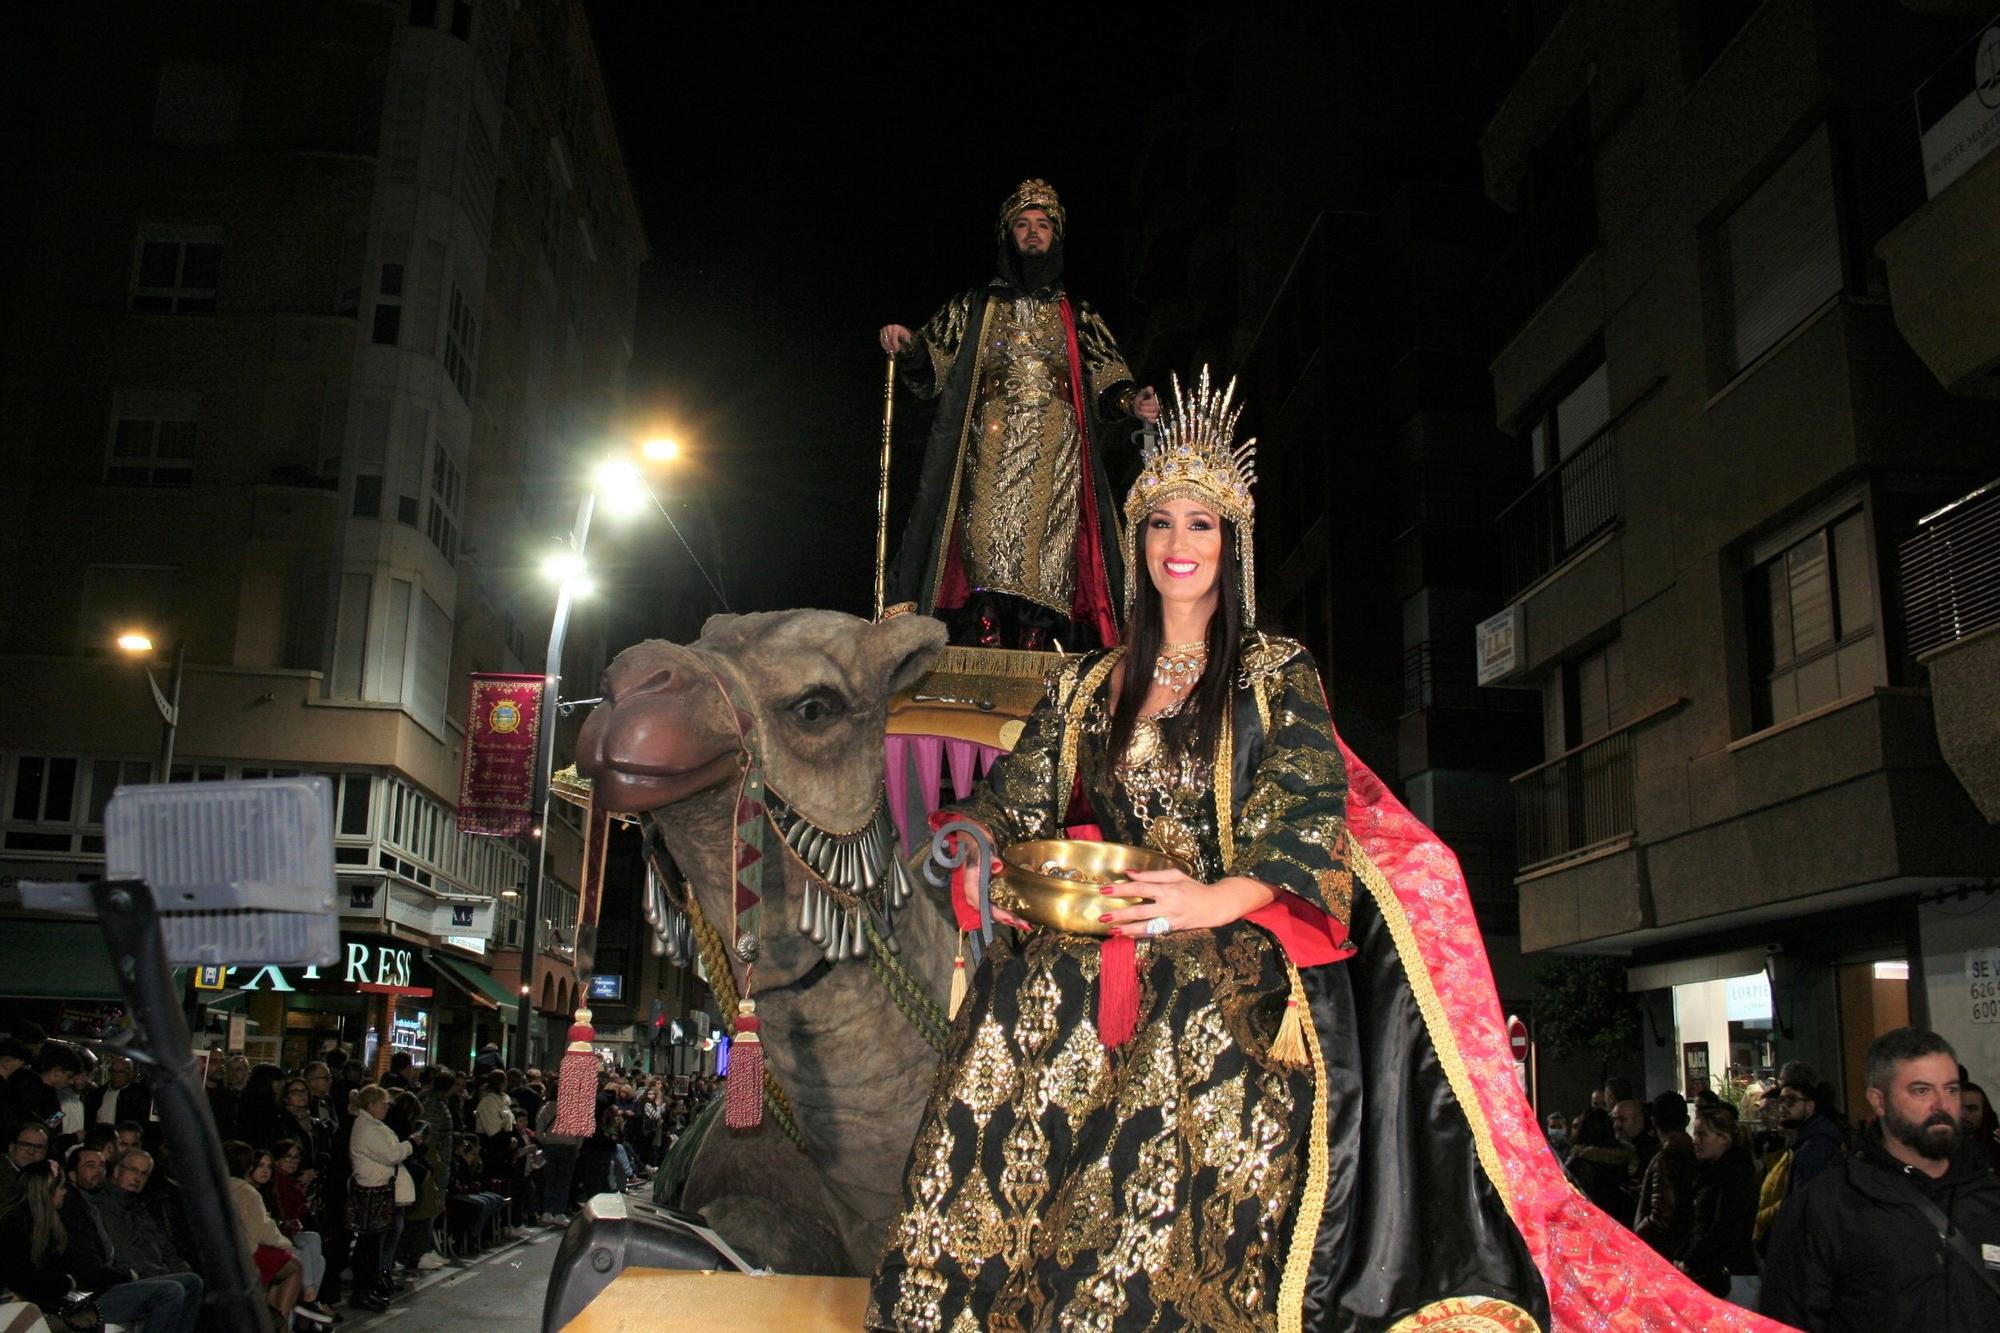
1106 917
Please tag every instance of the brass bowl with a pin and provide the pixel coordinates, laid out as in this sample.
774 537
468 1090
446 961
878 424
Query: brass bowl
1073 900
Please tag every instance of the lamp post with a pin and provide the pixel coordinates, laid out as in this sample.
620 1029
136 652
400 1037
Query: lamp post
570 569
168 701
624 488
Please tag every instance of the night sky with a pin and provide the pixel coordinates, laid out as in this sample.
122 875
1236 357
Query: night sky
802 182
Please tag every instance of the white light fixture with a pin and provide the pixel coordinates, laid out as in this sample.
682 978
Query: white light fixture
563 566
620 485
660 450
135 642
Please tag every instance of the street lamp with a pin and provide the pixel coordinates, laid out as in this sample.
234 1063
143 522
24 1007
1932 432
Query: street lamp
623 488
138 645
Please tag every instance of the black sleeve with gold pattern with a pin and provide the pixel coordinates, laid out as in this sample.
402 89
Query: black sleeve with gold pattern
928 360
1293 832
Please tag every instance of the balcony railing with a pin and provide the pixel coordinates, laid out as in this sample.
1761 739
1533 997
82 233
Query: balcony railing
1951 570
1566 508
1575 801
1442 674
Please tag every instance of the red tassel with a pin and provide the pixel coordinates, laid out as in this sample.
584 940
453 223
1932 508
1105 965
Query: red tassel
576 1089
1117 990
743 1096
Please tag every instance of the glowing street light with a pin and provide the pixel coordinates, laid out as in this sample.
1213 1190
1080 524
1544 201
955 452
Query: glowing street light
621 484
660 450
564 566
138 644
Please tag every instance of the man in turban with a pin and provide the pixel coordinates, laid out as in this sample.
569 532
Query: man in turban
1013 539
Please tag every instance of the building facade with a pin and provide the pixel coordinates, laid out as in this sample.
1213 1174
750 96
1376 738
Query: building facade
1312 222
318 308
1741 792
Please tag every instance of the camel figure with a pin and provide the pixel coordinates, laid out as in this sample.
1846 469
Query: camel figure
666 742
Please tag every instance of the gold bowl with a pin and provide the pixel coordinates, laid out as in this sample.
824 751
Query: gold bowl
1058 882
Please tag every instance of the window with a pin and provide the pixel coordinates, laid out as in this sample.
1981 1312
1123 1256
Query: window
197 106
423 13
1558 210
460 344
1812 621
442 526
175 270
1716 23
1778 255
461 19
367 495
389 306
348 270
152 438
55 803
1570 417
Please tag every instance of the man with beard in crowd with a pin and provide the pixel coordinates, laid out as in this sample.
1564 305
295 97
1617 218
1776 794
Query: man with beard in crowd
1804 1112
1906 1232
1012 539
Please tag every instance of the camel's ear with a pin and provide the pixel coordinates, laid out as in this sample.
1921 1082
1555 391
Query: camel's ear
899 650
717 624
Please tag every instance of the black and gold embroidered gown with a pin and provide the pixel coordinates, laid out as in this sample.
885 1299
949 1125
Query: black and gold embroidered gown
1055 1184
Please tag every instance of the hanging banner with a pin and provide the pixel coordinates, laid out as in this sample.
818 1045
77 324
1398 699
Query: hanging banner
496 789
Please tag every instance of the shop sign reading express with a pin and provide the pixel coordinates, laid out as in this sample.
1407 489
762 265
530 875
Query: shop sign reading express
1982 979
363 967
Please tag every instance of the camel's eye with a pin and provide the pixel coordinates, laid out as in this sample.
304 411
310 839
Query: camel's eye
816 706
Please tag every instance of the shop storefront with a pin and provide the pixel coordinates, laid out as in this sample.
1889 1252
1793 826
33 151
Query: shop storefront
1729 1020
375 1000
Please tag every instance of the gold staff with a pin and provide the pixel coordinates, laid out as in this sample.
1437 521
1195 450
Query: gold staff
882 493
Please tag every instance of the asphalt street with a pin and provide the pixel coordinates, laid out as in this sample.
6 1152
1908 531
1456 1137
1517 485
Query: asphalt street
494 1293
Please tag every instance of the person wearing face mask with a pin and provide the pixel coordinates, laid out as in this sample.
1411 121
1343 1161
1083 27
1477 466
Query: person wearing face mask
1154 1118
1904 1233
1011 541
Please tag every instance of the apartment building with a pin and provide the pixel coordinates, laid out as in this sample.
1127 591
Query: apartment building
1741 791
317 307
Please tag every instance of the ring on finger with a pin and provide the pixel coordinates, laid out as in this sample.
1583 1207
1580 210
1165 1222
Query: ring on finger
1157 926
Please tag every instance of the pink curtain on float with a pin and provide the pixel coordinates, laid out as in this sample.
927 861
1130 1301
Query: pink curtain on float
915 768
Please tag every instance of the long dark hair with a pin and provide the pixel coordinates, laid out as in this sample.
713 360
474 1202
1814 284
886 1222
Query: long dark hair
1146 635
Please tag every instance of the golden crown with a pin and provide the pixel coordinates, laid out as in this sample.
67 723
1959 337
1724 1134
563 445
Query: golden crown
1193 455
1032 194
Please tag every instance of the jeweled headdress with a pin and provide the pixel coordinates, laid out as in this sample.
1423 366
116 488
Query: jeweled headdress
1194 455
1032 194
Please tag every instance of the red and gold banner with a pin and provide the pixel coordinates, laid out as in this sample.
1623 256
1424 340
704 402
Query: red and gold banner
496 788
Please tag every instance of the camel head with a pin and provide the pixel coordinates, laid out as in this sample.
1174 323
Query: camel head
817 685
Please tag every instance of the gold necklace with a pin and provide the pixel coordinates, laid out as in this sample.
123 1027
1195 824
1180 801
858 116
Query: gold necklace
1179 665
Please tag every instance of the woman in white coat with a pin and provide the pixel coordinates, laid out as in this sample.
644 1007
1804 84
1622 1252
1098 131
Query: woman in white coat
377 1156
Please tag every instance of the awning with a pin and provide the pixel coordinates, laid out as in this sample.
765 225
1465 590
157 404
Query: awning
56 960
477 984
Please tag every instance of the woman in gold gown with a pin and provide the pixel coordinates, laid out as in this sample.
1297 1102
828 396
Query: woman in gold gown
1192 1164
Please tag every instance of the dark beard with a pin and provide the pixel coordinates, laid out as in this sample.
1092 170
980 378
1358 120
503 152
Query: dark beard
1030 273
1922 1137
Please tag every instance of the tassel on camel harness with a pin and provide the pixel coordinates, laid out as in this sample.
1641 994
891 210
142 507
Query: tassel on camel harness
576 1087
743 1093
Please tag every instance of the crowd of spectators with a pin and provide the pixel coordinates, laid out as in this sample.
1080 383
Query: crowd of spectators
345 1186
1780 1202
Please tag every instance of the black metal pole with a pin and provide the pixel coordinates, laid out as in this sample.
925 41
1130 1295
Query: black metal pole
125 911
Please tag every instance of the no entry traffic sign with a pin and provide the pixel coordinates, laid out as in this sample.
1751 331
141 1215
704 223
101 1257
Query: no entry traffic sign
1517 1038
